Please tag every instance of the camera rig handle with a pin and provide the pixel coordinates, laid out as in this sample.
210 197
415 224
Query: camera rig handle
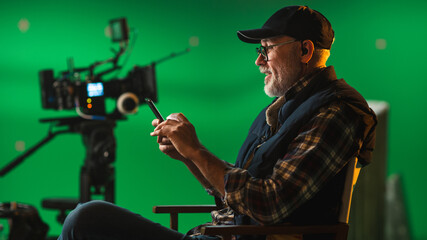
30 151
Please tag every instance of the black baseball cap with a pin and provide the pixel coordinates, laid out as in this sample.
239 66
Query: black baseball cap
299 22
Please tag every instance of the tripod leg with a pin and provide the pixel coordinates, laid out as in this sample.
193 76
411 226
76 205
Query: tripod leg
110 188
85 185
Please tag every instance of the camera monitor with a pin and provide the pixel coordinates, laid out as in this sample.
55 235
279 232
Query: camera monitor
119 30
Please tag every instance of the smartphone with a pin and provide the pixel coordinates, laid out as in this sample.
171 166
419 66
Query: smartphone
154 109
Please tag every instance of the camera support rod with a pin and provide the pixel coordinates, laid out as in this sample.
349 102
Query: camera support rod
172 55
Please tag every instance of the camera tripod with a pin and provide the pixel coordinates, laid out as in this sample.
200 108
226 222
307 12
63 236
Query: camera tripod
97 175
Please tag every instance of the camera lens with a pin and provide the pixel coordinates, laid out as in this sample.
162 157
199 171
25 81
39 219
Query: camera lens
127 103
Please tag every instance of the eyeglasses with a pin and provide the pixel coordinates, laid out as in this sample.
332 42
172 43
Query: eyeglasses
263 50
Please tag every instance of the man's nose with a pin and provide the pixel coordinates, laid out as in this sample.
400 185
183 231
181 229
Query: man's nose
260 60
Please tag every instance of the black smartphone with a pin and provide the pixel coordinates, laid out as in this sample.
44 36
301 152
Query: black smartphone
154 109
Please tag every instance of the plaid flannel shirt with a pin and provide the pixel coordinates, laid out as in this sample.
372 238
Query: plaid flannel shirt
315 156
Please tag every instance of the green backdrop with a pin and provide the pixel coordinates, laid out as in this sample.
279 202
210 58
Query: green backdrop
379 49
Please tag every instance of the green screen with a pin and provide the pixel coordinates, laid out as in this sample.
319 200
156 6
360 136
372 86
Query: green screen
379 49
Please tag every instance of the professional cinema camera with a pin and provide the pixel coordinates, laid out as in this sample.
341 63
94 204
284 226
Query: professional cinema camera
87 96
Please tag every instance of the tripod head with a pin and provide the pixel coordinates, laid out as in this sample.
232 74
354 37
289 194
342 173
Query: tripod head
100 143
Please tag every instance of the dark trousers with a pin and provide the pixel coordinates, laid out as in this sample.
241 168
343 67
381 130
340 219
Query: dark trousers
103 220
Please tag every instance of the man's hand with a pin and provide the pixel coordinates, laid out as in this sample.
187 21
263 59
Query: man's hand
176 137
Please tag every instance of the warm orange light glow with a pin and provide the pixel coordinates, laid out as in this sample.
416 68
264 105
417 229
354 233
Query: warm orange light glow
23 25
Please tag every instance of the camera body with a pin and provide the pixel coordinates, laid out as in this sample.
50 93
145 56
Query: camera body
69 91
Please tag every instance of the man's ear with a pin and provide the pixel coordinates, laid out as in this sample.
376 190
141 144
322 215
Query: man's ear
307 50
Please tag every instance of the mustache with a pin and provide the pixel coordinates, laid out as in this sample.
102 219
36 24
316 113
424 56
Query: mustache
264 70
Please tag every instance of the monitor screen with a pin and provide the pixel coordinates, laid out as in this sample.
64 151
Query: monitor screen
95 89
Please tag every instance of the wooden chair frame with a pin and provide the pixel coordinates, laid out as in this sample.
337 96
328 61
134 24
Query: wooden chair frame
340 229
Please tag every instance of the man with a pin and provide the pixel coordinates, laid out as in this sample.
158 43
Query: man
290 167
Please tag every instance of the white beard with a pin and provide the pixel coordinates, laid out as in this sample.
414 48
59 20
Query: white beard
282 79
275 87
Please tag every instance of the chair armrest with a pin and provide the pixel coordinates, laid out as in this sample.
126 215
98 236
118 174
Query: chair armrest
184 209
173 210
341 230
